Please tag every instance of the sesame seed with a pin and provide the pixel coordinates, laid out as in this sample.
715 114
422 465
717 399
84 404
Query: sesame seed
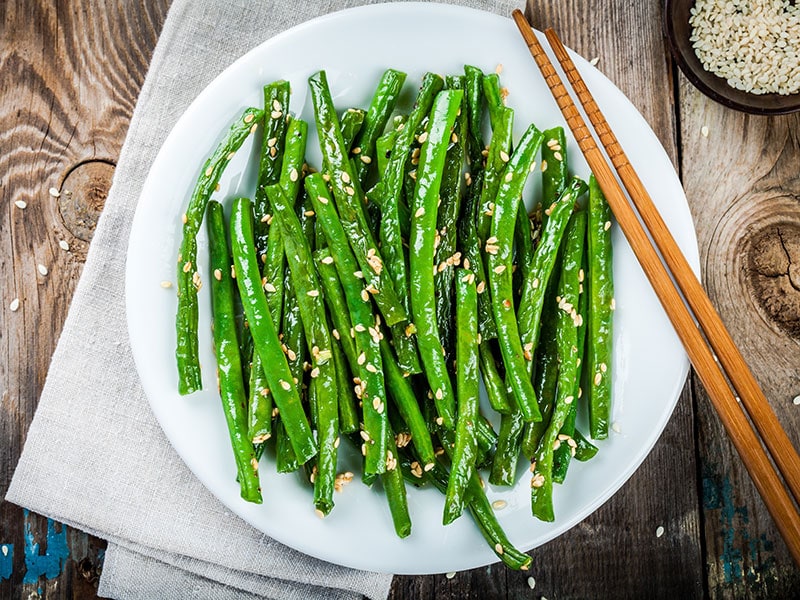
498 548
439 420
450 575
312 293
273 151
531 582
366 159
63 245
328 260
362 358
439 394
616 427
53 191
376 402
319 513
594 61
481 287
166 284
20 204
365 295
252 130
293 175
249 117
603 367
271 142
349 191
537 481
356 150
217 274
504 156
544 166
568 400
314 372
499 269
286 385
796 400
42 269
704 130
14 306
499 504
509 176
422 137
598 378
557 156
659 531
360 328
345 177
371 368
358 274
322 199
420 211
230 155
291 354
276 114
499 68
613 304
268 287
606 225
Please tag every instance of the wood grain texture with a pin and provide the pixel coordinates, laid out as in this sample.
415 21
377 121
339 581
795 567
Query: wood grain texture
747 221
70 73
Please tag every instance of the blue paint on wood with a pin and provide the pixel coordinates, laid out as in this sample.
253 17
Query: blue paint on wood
6 560
718 495
51 563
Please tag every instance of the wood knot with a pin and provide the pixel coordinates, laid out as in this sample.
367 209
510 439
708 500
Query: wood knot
773 273
83 195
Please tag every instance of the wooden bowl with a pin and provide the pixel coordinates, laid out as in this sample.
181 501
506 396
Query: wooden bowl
678 31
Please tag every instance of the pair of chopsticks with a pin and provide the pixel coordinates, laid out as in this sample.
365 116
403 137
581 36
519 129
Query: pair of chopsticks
709 342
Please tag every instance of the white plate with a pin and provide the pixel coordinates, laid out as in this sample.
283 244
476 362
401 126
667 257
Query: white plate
354 47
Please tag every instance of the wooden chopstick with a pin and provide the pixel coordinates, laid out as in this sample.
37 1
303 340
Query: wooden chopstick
755 458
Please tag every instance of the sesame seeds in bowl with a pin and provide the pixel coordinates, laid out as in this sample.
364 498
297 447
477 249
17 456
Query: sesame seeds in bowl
744 54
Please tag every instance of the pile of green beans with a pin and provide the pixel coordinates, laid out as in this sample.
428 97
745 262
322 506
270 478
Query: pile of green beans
362 300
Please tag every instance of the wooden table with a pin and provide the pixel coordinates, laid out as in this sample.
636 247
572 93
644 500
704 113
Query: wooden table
70 72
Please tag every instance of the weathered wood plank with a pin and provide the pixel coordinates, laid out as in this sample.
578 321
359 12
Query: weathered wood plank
70 73
748 225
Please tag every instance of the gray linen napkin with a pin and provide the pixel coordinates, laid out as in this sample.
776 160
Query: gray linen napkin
95 457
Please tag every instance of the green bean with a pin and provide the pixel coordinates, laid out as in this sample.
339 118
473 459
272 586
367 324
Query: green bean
385 143
546 371
405 400
380 109
264 334
472 257
187 316
285 458
421 248
348 410
499 253
350 202
494 98
535 285
318 338
343 343
475 102
554 165
365 330
584 449
564 453
395 489
226 346
567 337
499 153
289 144
276 102
466 443
446 258
601 307
509 443
496 389
352 121
483 514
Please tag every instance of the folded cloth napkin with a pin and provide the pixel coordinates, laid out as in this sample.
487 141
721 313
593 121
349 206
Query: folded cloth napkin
95 457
